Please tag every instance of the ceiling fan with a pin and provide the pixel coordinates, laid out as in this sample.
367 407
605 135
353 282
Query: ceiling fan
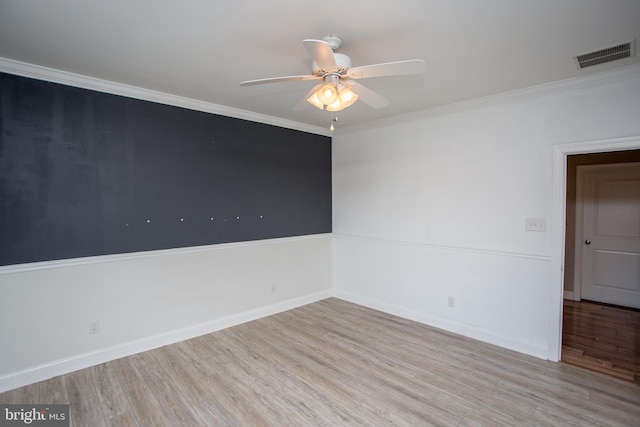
339 88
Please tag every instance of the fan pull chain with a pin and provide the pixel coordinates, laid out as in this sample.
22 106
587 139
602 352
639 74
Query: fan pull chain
334 119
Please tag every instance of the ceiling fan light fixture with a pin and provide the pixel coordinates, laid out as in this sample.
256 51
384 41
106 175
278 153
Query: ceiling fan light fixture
346 98
315 101
328 94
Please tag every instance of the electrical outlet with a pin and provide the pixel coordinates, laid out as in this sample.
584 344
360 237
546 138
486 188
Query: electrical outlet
451 301
94 327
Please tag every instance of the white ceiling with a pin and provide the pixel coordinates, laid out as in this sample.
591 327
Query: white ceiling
203 49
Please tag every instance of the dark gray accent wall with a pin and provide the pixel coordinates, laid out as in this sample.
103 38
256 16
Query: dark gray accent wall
85 173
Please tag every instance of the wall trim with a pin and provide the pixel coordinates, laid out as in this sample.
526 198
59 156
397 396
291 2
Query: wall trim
484 251
38 72
81 361
470 331
72 262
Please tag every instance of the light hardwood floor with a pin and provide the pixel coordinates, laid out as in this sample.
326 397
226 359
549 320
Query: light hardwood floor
333 363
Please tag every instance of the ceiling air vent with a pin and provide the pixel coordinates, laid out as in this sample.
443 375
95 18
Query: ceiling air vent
608 54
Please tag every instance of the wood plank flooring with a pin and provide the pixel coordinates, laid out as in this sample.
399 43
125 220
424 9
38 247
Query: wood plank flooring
333 363
603 338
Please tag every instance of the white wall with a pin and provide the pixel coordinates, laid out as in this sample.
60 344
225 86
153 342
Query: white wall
147 300
433 205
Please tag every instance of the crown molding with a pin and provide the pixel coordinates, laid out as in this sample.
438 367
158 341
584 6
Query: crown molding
574 83
77 80
38 72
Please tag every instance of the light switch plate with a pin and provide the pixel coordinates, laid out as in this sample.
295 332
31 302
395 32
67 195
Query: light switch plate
536 224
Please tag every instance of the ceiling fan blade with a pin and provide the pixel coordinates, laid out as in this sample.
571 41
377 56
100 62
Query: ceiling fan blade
321 52
278 79
366 95
410 66
303 102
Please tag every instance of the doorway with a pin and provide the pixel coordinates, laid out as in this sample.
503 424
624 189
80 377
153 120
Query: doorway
561 152
596 335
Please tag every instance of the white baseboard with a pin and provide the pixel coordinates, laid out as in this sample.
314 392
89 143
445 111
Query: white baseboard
569 295
81 361
480 334
64 366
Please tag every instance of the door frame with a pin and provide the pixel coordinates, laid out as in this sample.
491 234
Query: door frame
558 225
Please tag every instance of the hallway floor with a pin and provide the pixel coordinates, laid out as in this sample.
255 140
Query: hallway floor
603 338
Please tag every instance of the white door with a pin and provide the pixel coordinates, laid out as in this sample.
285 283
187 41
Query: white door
611 233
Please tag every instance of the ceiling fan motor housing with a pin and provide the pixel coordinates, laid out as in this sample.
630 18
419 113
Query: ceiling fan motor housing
343 63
